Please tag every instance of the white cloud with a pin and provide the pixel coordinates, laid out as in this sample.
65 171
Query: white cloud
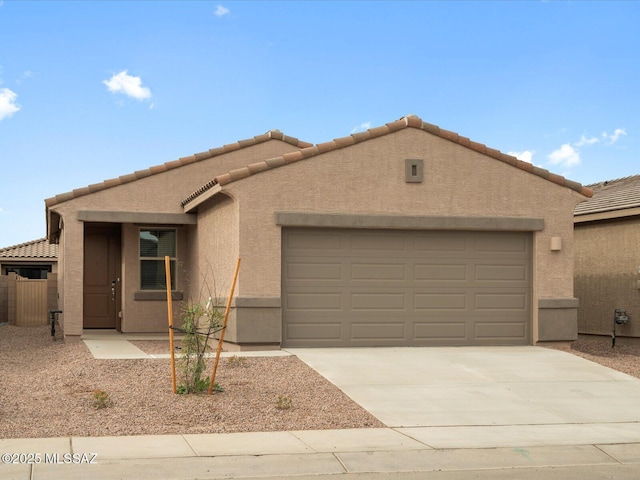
526 156
362 127
566 156
221 11
584 140
615 136
128 85
8 105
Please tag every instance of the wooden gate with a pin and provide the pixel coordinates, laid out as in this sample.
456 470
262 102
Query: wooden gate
31 302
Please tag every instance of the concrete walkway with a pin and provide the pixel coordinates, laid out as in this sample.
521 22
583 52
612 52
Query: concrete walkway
112 345
280 454
448 410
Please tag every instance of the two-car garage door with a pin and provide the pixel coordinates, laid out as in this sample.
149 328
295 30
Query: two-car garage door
390 288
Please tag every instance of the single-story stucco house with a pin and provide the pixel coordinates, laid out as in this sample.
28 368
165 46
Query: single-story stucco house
34 262
405 234
607 258
34 259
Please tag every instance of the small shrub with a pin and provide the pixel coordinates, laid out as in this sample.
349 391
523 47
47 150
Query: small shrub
101 399
199 324
202 385
181 390
236 361
283 402
216 387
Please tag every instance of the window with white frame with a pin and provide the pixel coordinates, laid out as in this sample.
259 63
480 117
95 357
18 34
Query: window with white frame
155 244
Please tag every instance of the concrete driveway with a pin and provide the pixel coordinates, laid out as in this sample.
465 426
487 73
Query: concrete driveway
486 396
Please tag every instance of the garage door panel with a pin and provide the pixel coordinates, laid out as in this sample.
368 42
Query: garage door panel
502 302
314 301
406 288
373 271
314 271
501 273
362 243
501 242
452 331
438 243
378 301
377 331
324 242
438 272
440 301
500 331
314 333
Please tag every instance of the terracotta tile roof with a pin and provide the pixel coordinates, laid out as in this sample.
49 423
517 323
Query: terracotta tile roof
611 195
40 248
410 121
197 157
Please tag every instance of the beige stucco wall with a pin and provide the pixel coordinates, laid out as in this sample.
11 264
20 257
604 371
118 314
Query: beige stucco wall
607 263
162 193
217 250
369 178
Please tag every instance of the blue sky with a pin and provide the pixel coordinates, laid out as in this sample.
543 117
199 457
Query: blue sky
95 90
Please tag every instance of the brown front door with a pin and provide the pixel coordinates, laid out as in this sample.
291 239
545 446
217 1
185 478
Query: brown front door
102 276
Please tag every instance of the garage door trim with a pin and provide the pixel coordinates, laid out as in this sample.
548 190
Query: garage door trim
408 222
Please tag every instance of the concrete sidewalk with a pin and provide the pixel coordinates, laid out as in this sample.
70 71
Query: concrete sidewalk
280 454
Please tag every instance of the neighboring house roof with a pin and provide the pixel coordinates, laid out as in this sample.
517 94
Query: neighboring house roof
40 248
197 157
620 197
410 121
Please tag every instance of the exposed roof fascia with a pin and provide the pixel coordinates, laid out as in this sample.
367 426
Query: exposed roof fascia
607 215
190 205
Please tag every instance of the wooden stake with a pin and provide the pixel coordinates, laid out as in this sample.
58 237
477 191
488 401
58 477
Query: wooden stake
224 327
167 269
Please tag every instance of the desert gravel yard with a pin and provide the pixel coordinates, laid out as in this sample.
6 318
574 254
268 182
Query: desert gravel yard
47 390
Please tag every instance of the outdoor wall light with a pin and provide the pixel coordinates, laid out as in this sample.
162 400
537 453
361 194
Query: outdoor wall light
556 244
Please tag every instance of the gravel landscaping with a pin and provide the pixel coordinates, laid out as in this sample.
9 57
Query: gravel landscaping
48 390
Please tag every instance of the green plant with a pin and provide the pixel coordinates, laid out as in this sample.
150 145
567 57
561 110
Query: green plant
101 399
202 385
216 387
181 390
199 323
283 402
